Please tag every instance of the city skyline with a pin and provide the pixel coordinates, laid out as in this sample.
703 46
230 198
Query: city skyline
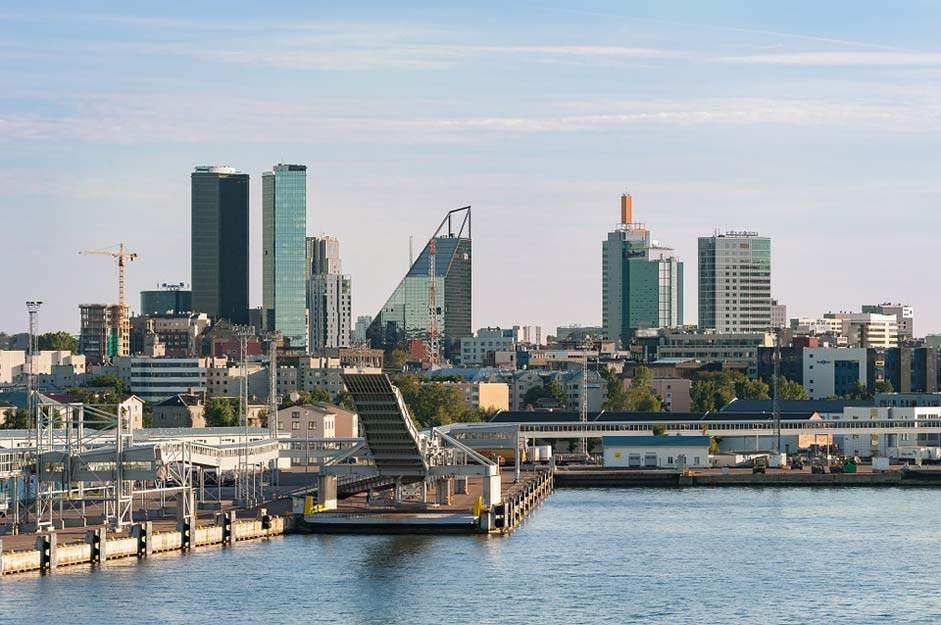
815 136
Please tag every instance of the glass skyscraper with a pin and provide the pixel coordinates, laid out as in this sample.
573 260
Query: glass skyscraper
642 281
284 250
406 316
219 238
735 282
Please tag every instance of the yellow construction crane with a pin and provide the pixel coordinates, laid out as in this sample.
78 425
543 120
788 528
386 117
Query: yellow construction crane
122 256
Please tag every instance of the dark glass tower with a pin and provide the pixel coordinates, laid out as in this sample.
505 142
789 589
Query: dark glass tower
406 316
220 242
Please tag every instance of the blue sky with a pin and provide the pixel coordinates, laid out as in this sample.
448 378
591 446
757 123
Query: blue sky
814 123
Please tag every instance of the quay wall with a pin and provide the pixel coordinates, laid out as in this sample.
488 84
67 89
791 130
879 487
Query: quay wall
99 547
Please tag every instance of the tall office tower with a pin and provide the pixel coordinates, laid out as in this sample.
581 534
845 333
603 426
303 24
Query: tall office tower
323 255
104 333
642 281
284 260
735 282
362 324
406 316
220 243
329 296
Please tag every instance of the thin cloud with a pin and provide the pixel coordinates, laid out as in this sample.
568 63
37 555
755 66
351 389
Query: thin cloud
841 58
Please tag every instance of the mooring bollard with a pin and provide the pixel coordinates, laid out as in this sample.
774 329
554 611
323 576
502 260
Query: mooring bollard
265 518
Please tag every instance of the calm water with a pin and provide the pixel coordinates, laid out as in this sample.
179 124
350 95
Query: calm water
585 556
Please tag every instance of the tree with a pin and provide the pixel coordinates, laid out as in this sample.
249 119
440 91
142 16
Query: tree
658 429
789 389
711 390
344 399
57 341
396 359
433 403
885 387
551 389
714 445
320 394
107 381
219 412
14 418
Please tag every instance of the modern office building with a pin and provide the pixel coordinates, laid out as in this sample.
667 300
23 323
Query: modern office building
323 255
329 301
736 350
105 332
835 371
284 256
735 282
219 260
406 316
866 329
170 300
904 317
477 350
156 379
362 325
642 281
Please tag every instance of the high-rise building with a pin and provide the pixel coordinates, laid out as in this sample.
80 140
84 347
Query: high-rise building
735 282
329 297
219 238
778 314
104 333
406 316
362 324
284 265
642 281
323 255
170 300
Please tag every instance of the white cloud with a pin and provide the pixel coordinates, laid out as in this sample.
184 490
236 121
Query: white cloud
841 58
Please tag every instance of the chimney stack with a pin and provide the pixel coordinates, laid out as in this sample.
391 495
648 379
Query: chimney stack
627 210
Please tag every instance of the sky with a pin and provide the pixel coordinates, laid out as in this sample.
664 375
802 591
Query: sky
816 124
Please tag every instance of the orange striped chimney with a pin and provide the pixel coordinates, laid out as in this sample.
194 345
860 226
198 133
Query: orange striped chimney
627 209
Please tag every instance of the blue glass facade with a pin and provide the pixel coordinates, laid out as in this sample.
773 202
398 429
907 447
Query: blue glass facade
406 315
284 250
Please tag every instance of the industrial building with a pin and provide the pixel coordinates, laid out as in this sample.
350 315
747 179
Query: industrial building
655 452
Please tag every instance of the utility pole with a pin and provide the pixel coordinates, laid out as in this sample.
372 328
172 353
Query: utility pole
777 396
32 308
583 396
242 483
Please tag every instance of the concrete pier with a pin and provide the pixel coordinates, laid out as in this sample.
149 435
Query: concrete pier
140 542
